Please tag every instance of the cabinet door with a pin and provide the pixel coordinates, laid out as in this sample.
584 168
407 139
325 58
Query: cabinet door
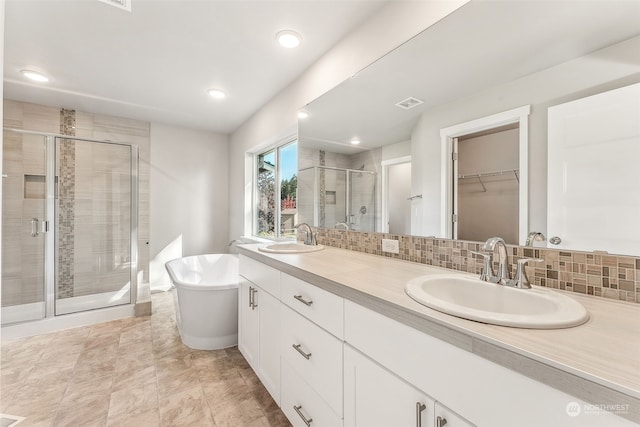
248 323
443 416
376 397
269 309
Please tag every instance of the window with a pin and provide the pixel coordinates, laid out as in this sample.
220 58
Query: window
276 180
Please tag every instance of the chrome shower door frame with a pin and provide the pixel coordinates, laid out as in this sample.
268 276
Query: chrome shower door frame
50 216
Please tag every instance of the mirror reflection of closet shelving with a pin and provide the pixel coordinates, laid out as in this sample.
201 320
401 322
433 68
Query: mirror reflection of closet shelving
488 180
478 177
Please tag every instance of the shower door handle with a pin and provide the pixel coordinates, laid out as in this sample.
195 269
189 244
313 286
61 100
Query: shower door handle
34 227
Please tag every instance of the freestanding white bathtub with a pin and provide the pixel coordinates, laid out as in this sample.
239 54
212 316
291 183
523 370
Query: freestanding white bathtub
206 299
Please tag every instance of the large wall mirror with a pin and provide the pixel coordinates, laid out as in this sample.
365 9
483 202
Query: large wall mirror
447 135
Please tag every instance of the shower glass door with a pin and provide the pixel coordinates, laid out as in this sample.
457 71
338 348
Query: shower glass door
362 200
94 221
23 226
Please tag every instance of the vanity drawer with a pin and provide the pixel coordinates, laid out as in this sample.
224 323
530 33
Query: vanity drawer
262 275
302 405
315 354
319 306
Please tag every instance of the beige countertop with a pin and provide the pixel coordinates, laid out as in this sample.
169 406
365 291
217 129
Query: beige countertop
598 362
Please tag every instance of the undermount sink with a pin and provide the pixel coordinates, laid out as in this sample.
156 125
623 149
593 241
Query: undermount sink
290 248
474 299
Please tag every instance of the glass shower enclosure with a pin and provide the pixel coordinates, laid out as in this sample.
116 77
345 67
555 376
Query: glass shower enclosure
69 209
342 198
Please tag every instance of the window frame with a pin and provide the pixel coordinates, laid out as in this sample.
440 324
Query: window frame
277 191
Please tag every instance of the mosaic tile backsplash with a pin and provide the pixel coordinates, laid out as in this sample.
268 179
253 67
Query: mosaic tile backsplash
590 273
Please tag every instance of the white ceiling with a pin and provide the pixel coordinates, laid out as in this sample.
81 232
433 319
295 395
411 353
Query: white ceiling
156 62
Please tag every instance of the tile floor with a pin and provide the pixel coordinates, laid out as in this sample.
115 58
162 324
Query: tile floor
132 372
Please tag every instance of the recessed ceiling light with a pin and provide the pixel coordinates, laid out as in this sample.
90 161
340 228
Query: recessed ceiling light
289 39
216 93
355 141
302 114
35 76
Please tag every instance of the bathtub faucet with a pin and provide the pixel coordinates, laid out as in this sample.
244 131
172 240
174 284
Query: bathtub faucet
310 238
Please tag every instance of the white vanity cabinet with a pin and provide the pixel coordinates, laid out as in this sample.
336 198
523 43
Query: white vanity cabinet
248 323
319 306
312 350
443 416
302 405
329 361
259 325
374 397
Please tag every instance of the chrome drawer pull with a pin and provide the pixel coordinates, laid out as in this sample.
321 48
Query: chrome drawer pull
252 297
302 300
419 408
441 421
306 421
305 355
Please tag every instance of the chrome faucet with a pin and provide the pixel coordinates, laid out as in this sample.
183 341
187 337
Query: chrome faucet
310 238
520 280
503 259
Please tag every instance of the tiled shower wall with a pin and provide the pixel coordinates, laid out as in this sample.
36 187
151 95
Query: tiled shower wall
54 120
597 274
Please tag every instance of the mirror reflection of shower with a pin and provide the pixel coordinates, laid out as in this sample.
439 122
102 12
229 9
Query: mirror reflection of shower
343 198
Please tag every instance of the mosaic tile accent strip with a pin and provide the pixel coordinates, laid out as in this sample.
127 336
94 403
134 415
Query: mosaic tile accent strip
323 191
589 273
66 205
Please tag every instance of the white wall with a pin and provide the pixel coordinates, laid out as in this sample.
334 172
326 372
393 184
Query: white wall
189 193
394 24
603 70
397 150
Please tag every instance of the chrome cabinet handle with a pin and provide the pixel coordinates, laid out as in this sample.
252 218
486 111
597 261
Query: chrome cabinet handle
302 300
306 421
419 408
34 227
252 297
441 421
254 291
555 240
305 355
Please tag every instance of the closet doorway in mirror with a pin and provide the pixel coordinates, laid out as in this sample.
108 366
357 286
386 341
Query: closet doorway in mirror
485 178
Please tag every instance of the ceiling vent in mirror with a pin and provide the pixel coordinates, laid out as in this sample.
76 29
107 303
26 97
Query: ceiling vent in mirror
120 4
409 103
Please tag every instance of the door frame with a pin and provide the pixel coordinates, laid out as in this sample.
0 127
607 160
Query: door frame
518 115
